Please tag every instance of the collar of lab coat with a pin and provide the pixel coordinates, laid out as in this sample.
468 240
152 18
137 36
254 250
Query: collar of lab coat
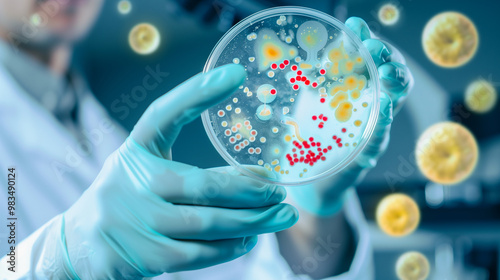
29 126
52 91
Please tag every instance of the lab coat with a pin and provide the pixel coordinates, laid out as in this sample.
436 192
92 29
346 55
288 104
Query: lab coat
54 167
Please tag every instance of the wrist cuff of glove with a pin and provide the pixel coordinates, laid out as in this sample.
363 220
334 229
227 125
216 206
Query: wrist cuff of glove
67 266
308 200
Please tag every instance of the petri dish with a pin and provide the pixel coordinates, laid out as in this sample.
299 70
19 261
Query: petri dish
310 101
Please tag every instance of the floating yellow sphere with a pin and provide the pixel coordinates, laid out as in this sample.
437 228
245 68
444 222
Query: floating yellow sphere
447 153
124 7
388 14
480 96
144 38
412 266
450 39
398 215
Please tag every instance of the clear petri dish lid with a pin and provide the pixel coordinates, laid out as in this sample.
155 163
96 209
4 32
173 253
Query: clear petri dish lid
309 103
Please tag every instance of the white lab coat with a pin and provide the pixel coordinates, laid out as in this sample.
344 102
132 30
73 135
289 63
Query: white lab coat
53 170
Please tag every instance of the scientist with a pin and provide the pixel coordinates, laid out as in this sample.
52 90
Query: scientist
94 203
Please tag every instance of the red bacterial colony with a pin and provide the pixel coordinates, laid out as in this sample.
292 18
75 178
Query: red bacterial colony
321 118
282 65
338 140
302 78
307 154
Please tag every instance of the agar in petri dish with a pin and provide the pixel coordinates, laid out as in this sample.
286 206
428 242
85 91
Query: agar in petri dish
450 39
398 215
480 96
144 38
310 100
412 266
447 153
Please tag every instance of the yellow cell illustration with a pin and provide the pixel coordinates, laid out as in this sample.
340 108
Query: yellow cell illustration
36 19
447 153
450 39
124 7
412 266
388 14
398 215
144 38
480 96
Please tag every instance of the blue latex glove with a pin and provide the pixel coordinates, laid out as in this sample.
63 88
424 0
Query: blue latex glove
326 197
146 214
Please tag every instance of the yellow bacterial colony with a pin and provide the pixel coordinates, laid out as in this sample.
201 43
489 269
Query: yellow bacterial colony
480 96
447 153
398 215
270 49
412 266
340 91
450 39
344 111
144 38
341 63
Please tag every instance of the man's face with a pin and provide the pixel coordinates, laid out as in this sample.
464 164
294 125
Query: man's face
47 22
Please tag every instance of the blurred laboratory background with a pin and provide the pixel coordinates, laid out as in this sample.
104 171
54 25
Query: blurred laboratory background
459 231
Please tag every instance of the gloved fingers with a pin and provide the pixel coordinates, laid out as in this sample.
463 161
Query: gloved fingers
378 51
185 184
186 222
258 170
395 77
181 183
395 54
159 126
193 255
153 254
380 137
396 80
359 27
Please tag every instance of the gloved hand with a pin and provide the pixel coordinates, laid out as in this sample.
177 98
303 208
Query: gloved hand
326 197
146 214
